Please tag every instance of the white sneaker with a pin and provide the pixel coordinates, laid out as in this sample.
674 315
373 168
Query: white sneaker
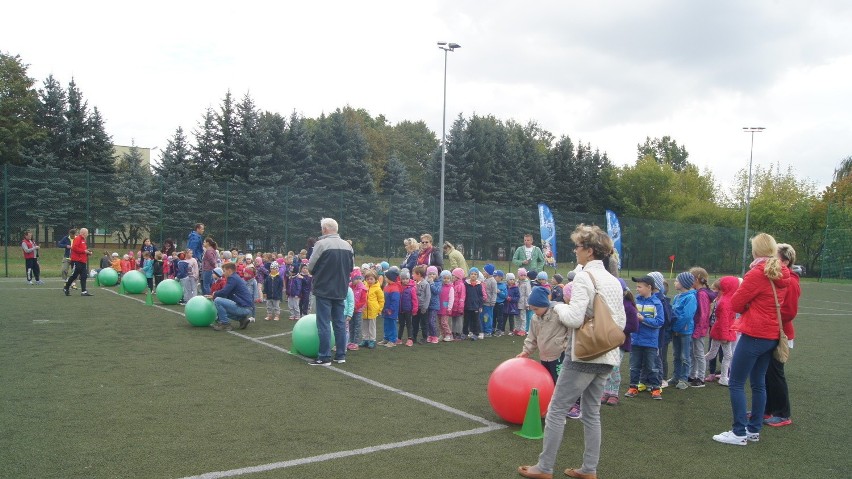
481 336
728 437
723 381
251 319
752 436
664 384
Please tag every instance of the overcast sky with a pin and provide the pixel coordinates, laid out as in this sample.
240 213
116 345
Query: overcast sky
608 73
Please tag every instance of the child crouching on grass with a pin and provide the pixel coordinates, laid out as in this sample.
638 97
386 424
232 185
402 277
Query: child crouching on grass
547 334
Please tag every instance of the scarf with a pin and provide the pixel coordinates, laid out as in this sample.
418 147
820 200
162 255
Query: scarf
757 261
425 256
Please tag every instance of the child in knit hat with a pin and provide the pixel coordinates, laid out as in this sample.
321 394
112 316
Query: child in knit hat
489 285
510 309
474 300
499 304
547 334
684 306
273 289
446 302
458 304
434 304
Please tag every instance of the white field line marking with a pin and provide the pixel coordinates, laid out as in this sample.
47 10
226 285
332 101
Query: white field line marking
32 288
844 303
342 454
488 425
276 335
825 309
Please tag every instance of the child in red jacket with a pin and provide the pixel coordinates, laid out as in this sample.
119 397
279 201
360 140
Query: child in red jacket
722 334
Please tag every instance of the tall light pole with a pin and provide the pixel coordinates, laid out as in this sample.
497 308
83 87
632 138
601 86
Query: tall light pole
447 47
752 130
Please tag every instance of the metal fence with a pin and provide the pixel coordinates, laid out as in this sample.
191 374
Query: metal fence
280 217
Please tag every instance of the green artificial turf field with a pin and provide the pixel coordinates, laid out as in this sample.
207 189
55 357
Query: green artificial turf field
109 387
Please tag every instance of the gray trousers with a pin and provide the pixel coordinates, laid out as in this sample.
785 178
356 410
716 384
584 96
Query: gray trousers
571 385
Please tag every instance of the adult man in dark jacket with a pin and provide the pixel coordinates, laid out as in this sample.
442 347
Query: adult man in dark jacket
234 300
330 265
195 242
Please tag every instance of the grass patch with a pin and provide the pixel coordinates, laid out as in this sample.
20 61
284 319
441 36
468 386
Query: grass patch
108 387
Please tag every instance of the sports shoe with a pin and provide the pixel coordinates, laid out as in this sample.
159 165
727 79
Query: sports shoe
30 282
448 338
575 412
340 361
221 326
664 384
481 336
723 381
383 342
39 282
657 394
371 345
268 317
364 343
86 293
398 342
276 318
710 378
73 285
251 319
351 347
641 387
604 398
728 437
390 344
409 343
245 322
752 436
696 383
631 392
320 362
682 385
612 400
67 293
497 334
776 421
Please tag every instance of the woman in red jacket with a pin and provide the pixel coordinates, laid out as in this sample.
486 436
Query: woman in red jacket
755 300
777 395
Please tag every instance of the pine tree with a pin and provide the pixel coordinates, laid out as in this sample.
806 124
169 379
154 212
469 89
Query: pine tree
18 109
204 160
53 101
174 176
75 130
133 198
227 130
97 145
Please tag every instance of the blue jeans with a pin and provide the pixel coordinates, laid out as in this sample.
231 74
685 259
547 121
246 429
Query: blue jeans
227 310
206 281
643 362
751 360
682 350
330 311
487 318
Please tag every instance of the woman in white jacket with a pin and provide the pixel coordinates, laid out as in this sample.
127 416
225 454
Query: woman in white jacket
584 379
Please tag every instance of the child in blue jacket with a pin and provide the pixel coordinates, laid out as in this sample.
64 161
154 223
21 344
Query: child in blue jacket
390 313
683 311
644 342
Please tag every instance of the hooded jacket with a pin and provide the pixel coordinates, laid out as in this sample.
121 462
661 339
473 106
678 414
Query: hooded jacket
375 301
722 329
683 310
755 301
651 310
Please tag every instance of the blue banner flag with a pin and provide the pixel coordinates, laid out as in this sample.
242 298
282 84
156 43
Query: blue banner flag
548 234
613 229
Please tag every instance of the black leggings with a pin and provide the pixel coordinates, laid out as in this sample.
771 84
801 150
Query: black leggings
405 322
33 269
472 324
777 394
81 270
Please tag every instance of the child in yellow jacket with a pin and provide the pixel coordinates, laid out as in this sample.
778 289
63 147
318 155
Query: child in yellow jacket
375 305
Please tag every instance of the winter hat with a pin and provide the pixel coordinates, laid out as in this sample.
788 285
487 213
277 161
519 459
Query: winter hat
248 255
432 269
446 274
384 265
274 265
558 277
686 280
115 255
538 297
218 272
356 274
226 255
659 281
647 279
473 270
499 273
510 277
365 266
458 273
404 274
532 275
489 268
522 271
305 261
541 275
571 275
392 273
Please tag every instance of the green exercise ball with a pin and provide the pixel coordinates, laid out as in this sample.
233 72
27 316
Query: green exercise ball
306 336
108 277
169 291
200 311
134 282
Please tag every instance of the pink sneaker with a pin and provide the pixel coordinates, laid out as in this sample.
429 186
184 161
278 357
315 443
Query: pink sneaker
352 347
409 343
710 378
398 342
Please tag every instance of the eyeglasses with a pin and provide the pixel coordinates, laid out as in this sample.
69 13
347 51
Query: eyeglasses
578 246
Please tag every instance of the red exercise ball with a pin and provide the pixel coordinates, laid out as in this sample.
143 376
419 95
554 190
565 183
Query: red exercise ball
510 384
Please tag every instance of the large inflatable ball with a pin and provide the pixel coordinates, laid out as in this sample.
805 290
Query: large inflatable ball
306 336
510 384
108 277
200 311
169 291
134 282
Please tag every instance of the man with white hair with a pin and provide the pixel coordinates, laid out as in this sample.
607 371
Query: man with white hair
330 265
80 253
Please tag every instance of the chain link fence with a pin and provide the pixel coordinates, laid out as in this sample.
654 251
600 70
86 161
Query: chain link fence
281 217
